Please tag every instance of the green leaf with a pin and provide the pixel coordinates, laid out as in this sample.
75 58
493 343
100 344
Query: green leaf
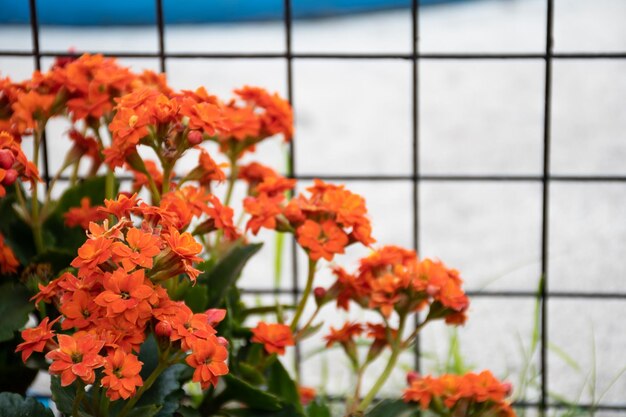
59 259
288 411
225 274
166 391
14 308
13 405
145 411
396 408
318 408
240 390
310 331
280 383
63 397
187 412
17 233
197 298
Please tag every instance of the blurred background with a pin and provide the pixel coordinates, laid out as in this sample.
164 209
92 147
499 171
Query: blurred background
440 114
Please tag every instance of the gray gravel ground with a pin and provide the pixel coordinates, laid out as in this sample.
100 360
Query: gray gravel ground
476 117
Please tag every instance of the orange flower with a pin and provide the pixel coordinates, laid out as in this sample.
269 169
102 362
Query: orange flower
344 335
322 240
83 215
122 206
76 356
126 294
208 358
29 108
243 123
8 261
128 127
278 115
307 394
223 217
80 311
483 389
122 377
274 337
93 253
183 252
189 327
207 170
139 249
204 116
254 173
263 210
35 339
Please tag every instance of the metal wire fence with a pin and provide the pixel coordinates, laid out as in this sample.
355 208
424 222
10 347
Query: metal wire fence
416 178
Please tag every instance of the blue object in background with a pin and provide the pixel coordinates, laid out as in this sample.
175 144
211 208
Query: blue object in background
143 12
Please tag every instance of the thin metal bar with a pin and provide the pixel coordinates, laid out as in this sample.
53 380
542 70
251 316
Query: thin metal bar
439 178
36 53
339 56
484 294
415 157
545 211
161 34
295 290
516 404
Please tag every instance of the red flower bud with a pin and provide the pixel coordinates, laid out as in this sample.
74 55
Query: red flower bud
319 293
432 290
215 315
411 377
6 159
163 329
9 177
194 137
508 387
222 341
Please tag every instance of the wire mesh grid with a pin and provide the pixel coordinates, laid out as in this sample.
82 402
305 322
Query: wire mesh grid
416 177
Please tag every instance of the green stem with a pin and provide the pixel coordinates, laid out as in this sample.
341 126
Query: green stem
396 349
308 323
167 171
80 393
305 294
162 366
36 223
109 185
232 178
22 202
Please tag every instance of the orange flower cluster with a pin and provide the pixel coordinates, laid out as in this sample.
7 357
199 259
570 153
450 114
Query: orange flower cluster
175 121
8 261
84 214
90 83
261 115
14 164
483 392
85 86
114 299
274 337
325 222
393 278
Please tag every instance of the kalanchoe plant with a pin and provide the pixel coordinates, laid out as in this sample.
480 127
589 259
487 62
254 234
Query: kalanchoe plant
134 294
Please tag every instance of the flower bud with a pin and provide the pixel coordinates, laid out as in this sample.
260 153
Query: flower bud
412 376
215 316
194 137
319 293
222 341
163 329
9 177
6 159
508 388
